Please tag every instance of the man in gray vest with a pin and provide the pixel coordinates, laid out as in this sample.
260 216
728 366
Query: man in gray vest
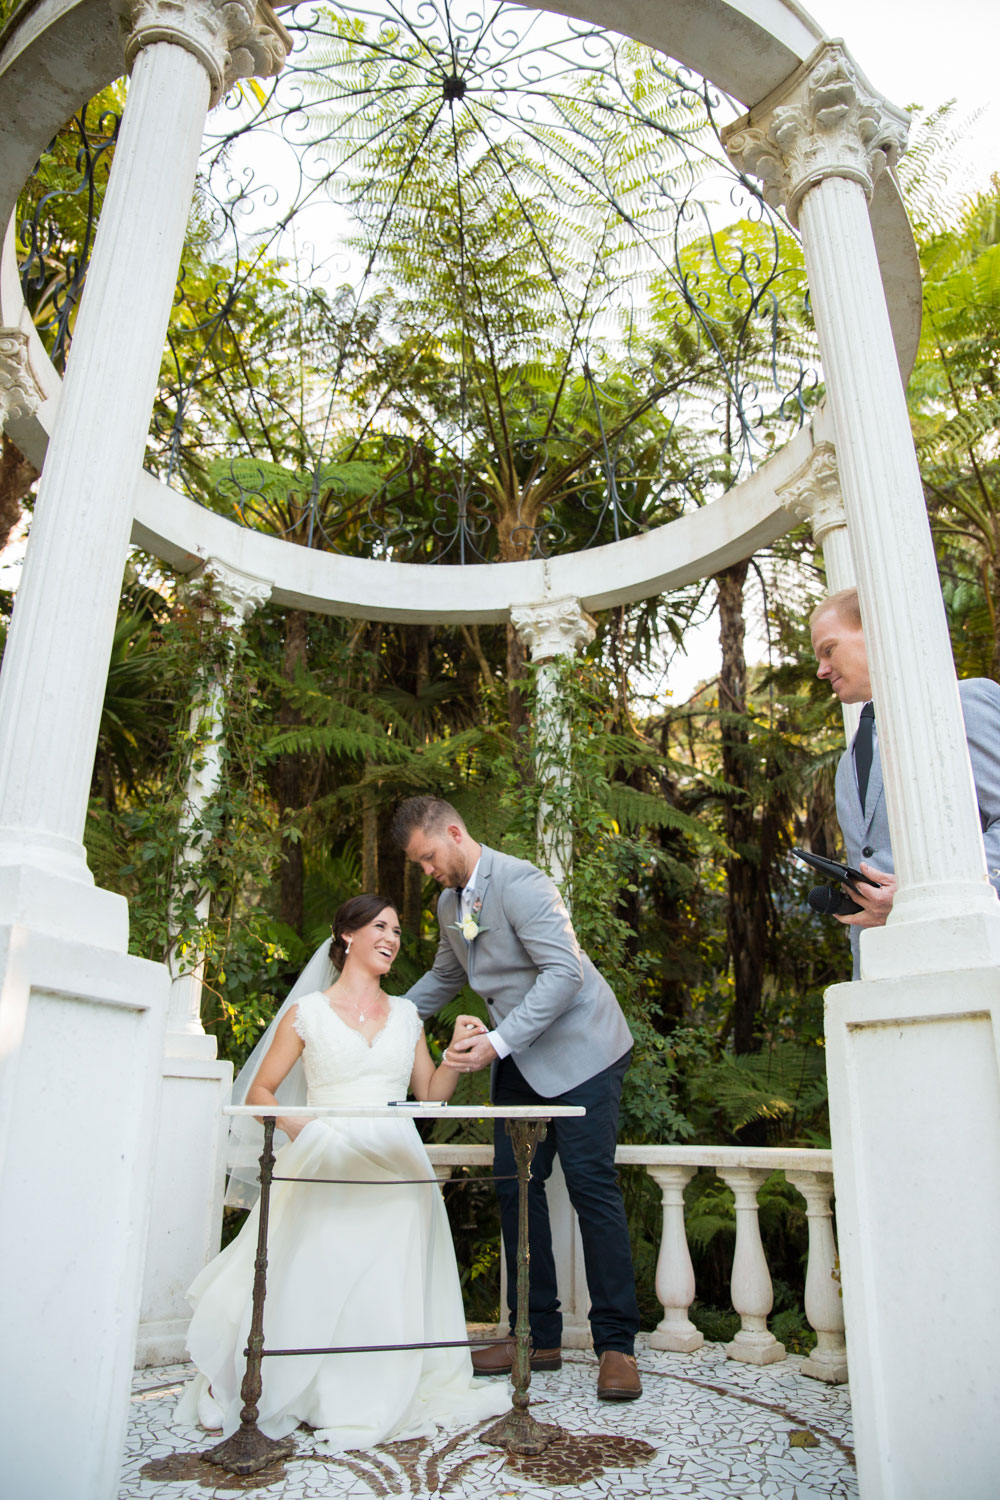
839 643
556 1036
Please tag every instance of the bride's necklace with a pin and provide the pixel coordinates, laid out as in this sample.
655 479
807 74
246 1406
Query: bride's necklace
362 1012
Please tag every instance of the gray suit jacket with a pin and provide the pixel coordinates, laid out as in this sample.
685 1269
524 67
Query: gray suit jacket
866 834
544 996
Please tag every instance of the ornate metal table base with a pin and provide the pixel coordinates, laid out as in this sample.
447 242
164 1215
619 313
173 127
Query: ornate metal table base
518 1431
248 1450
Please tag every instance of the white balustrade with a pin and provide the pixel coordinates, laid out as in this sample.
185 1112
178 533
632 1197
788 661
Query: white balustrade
744 1169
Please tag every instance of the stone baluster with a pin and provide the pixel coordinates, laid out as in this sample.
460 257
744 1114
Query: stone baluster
552 629
813 494
819 144
232 599
823 1301
674 1271
751 1280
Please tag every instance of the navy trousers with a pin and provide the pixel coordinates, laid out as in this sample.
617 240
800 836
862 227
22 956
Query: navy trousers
586 1150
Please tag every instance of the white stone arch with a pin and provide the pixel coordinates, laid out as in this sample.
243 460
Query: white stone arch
745 49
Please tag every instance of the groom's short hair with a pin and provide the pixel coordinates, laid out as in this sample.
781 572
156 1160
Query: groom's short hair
428 814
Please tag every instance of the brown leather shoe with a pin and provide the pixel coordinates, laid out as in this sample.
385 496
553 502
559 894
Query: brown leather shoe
498 1359
618 1377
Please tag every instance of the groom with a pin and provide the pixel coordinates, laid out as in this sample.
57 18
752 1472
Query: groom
558 1037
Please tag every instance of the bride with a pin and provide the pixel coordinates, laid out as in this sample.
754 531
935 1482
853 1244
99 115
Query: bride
347 1265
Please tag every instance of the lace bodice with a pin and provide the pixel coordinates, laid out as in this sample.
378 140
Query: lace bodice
340 1065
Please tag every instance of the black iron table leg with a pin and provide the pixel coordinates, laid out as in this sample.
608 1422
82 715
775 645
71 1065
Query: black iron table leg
518 1431
248 1449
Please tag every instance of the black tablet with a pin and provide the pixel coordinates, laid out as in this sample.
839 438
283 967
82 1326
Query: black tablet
830 868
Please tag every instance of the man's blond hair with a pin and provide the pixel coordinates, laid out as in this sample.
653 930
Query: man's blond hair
844 603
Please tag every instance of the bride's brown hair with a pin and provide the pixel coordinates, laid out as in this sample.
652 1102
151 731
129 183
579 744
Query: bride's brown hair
354 914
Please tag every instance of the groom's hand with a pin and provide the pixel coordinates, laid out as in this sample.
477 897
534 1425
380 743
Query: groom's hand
468 1050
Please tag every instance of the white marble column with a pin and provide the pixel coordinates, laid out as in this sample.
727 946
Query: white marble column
813 494
818 144
183 55
81 1022
912 1049
552 630
230 599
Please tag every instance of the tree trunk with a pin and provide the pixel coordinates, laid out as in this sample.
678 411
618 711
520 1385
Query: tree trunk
746 894
17 476
290 768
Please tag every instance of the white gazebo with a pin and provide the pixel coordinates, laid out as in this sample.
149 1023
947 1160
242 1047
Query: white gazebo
96 1046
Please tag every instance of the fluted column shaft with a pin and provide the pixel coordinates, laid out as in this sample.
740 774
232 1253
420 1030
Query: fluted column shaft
232 599
553 629
813 494
55 665
936 837
184 55
819 144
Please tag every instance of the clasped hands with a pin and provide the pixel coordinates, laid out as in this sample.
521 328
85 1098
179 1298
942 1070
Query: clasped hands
469 1051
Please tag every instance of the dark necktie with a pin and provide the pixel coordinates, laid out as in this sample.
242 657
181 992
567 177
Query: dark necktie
863 750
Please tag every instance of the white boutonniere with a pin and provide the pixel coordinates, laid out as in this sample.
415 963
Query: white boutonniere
469 926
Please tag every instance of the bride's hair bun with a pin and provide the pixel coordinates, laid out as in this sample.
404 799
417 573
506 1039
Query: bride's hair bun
354 914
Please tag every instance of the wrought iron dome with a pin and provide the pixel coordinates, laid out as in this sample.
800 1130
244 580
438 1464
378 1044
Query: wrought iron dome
462 284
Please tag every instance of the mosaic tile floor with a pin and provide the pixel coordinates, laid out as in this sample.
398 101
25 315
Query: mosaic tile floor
705 1427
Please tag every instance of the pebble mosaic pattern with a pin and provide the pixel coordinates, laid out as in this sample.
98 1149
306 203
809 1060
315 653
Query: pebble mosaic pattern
705 1428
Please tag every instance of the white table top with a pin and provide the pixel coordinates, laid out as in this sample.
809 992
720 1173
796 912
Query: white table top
411 1110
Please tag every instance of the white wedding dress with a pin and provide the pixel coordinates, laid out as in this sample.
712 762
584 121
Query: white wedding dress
346 1266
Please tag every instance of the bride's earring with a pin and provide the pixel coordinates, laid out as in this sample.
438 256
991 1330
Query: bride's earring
347 941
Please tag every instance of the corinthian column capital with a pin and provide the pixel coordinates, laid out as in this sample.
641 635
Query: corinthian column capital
555 627
233 39
239 593
813 493
19 392
824 121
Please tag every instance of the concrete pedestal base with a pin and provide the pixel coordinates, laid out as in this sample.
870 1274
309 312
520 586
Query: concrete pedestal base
684 1339
755 1348
915 1117
81 1048
186 1214
825 1364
